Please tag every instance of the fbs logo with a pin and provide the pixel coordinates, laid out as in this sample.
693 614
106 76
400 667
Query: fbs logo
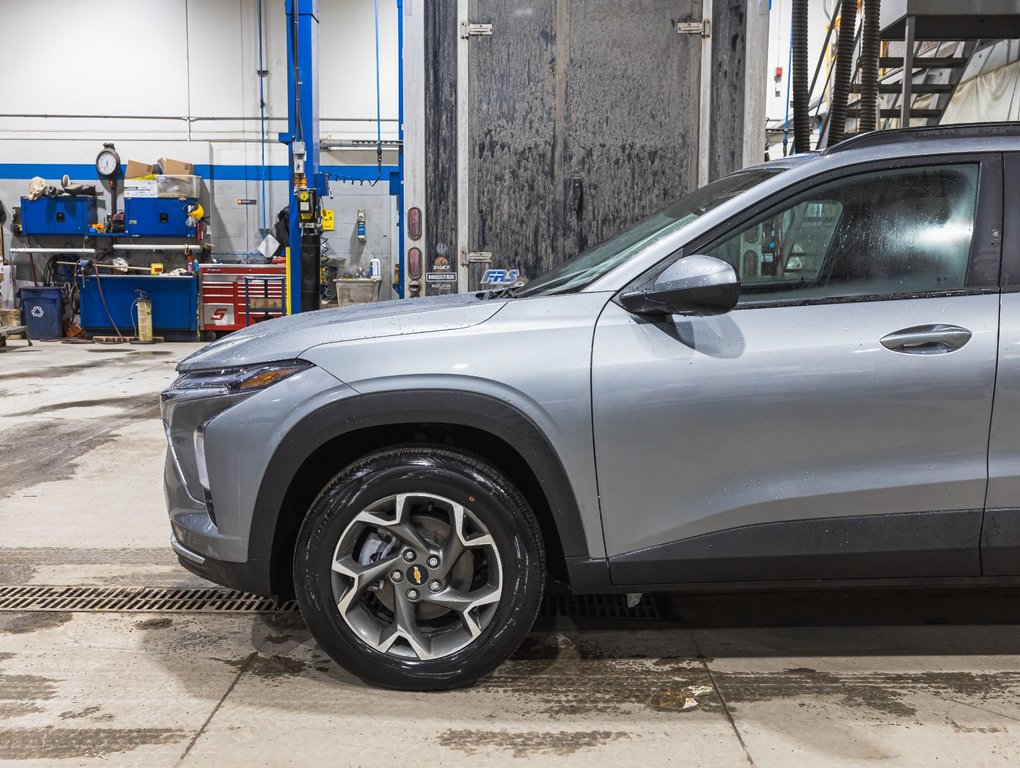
417 575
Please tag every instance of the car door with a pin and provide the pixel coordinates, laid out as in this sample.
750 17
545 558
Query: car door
836 423
1000 534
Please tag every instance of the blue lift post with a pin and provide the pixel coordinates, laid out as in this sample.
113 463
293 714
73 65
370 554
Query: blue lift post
400 151
308 184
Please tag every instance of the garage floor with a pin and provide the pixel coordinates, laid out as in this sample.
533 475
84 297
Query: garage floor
764 680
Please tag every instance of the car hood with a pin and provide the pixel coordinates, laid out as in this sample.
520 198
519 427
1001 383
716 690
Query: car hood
287 337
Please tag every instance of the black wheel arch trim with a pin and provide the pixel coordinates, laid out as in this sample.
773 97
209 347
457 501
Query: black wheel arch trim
411 407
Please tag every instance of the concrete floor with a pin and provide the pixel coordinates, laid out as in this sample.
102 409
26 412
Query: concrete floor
764 680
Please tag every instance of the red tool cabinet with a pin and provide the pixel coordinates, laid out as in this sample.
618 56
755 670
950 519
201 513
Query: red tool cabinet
234 296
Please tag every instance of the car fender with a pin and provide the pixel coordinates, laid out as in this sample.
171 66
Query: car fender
412 406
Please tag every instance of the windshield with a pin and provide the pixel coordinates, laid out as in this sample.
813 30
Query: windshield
594 263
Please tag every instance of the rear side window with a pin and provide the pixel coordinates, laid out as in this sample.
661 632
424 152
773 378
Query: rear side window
881 234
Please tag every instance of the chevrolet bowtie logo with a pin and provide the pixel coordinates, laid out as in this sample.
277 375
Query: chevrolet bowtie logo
417 575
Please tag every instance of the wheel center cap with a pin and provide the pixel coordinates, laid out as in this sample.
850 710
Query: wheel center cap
417 575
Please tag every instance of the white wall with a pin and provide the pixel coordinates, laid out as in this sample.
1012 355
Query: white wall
178 78
171 60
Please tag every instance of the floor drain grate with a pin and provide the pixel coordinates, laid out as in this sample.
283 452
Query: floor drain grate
598 607
136 599
160 599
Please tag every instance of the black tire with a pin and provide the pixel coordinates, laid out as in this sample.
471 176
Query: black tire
496 503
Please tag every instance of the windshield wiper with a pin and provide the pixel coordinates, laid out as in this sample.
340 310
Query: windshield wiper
506 293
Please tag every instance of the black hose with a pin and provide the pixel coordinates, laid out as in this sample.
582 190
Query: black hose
50 271
870 43
844 70
799 76
102 297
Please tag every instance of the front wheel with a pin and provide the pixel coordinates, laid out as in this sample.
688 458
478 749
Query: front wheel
419 568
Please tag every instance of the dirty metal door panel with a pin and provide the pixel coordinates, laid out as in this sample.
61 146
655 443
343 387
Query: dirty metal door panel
513 195
632 114
583 119
441 36
776 416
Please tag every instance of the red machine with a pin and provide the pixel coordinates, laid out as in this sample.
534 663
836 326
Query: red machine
234 296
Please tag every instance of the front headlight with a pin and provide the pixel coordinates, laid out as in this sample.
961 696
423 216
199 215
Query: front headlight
197 398
232 381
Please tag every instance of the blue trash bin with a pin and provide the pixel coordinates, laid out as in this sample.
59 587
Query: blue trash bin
42 310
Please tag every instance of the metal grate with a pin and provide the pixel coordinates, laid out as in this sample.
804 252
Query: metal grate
136 599
159 599
598 607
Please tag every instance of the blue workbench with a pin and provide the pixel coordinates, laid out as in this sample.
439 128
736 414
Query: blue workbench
174 303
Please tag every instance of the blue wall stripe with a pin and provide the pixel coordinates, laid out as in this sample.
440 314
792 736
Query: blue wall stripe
219 172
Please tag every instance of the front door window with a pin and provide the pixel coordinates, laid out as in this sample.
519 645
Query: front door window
892 233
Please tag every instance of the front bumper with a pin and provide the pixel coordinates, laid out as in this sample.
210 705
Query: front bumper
195 529
211 527
185 553
252 576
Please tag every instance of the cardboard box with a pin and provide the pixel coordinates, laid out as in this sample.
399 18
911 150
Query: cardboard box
178 186
140 188
136 169
173 167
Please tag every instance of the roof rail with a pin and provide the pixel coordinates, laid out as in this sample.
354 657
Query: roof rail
899 135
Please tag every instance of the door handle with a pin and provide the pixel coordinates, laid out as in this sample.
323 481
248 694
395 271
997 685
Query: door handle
927 339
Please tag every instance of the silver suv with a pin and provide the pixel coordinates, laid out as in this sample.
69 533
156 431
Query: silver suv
805 371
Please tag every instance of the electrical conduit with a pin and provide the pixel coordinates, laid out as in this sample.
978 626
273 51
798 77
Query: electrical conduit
844 70
799 76
870 43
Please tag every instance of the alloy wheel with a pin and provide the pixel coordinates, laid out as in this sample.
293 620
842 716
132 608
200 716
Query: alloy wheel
416 576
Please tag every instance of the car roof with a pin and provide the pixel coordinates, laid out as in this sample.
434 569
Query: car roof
900 136
898 142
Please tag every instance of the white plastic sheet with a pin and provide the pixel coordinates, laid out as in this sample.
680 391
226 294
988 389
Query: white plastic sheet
991 96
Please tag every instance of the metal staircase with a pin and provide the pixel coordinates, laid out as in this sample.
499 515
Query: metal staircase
928 47
937 68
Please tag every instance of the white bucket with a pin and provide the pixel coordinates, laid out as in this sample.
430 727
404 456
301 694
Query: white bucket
356 290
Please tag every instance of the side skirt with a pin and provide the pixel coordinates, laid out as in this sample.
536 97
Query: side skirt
901 546
1000 542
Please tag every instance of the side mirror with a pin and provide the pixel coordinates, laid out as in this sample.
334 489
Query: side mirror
693 285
